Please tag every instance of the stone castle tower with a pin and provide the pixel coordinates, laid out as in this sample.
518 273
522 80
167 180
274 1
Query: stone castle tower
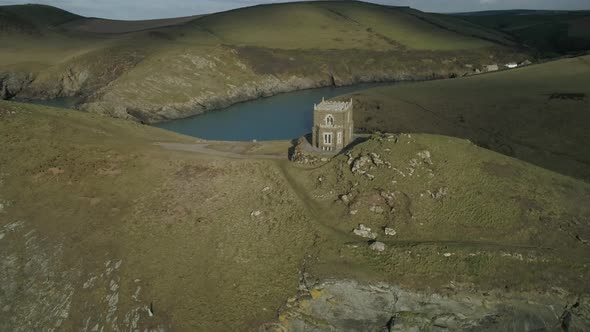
332 125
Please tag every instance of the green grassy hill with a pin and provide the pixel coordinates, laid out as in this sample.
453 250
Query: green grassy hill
537 113
29 18
102 224
157 72
340 25
443 194
550 32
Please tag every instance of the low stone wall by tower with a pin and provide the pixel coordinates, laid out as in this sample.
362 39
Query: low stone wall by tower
305 153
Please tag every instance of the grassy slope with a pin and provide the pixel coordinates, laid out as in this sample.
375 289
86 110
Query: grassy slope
30 39
97 190
505 223
334 25
510 112
106 26
35 16
550 33
232 56
87 192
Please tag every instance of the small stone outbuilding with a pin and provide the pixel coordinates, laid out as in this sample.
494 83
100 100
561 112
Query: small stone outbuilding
332 125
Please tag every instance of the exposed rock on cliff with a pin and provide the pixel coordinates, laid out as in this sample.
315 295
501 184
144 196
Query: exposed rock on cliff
186 84
12 83
133 83
350 306
83 75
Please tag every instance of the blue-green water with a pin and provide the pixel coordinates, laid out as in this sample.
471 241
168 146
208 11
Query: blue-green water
61 102
284 116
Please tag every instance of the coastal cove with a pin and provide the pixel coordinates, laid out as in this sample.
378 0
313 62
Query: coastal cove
279 117
283 116
60 102
294 166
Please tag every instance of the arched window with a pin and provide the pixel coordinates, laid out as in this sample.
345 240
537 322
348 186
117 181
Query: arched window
329 120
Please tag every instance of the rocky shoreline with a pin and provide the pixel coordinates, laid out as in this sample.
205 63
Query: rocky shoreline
207 83
18 85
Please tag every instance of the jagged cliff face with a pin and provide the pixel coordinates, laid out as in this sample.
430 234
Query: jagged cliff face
386 308
79 76
164 73
12 83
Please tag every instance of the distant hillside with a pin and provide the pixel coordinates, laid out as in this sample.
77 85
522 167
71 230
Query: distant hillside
32 18
511 12
342 24
104 26
550 32
162 69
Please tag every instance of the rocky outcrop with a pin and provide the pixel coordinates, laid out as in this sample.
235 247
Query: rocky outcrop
365 163
344 305
72 81
81 75
377 246
364 231
12 83
304 153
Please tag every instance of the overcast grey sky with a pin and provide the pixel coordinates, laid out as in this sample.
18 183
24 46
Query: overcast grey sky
144 9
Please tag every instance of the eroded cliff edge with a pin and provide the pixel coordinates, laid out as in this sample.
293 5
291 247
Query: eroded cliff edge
183 83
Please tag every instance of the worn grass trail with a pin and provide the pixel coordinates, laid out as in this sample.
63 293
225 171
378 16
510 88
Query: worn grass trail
327 218
205 148
324 217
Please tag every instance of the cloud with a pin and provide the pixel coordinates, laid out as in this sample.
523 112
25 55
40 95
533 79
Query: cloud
144 9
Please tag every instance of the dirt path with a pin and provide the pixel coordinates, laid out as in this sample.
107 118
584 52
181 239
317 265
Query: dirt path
209 149
320 215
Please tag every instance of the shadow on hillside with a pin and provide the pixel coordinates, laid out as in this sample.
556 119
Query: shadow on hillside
550 131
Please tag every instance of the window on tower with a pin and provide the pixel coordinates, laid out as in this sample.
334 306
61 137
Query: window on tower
329 120
328 138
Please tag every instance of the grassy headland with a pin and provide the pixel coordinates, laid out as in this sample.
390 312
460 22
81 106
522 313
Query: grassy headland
539 114
102 224
102 227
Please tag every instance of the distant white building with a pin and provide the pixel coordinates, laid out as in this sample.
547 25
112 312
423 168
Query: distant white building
511 65
492 68
525 63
